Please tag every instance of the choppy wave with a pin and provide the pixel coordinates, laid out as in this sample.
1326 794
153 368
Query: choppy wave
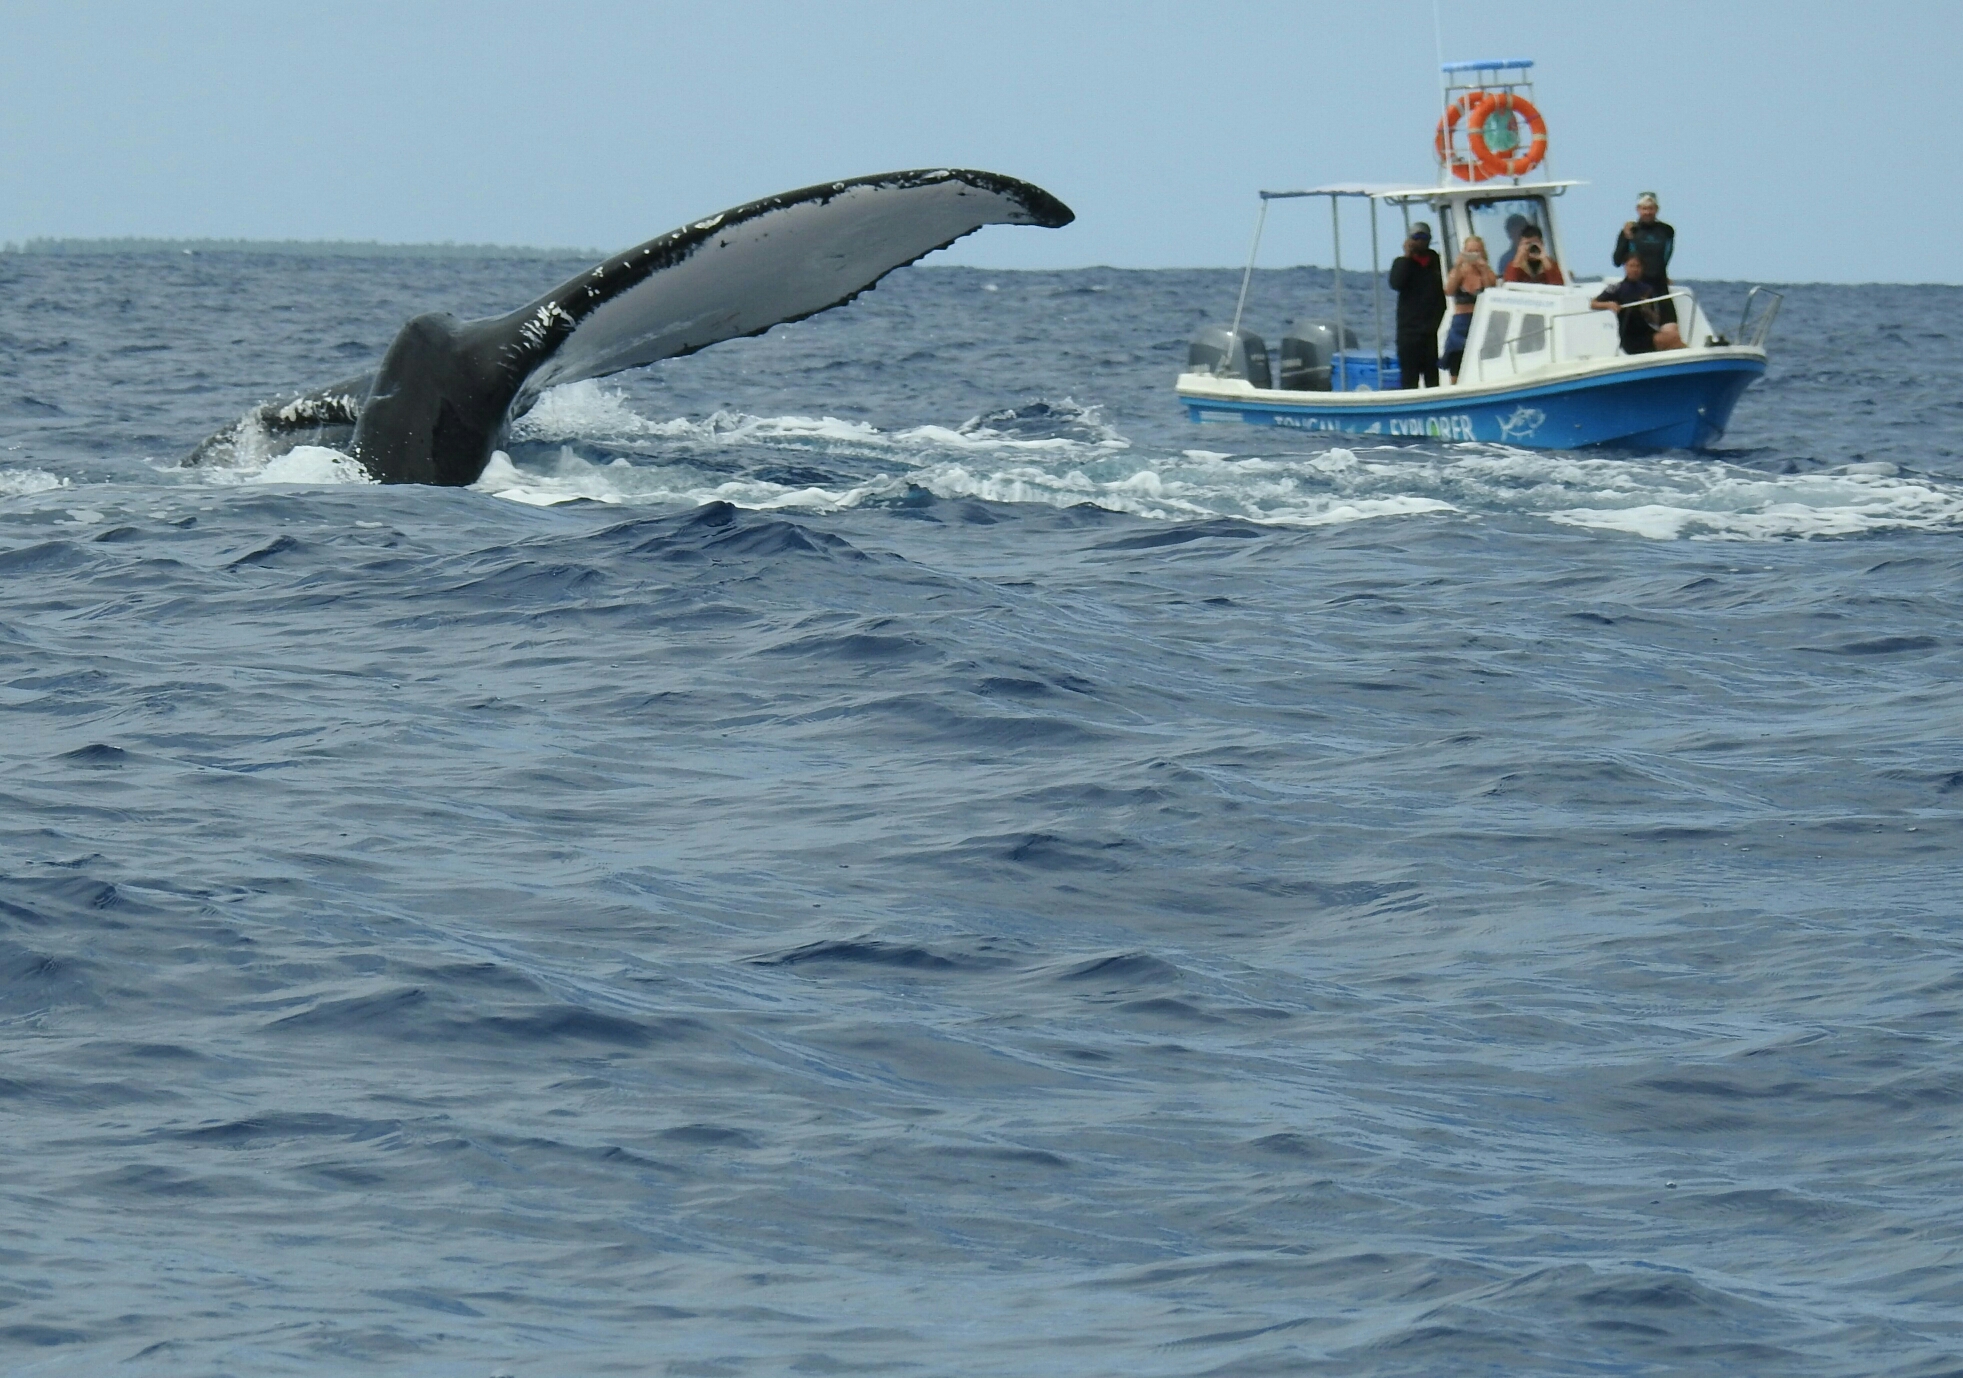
1394 911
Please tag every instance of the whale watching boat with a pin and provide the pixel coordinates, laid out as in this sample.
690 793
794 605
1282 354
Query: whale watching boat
1541 369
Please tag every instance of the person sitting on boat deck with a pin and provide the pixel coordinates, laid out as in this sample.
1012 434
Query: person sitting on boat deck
1420 286
1516 225
1637 320
1652 241
1534 263
1470 276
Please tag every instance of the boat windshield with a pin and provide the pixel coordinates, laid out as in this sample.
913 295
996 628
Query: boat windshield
1499 223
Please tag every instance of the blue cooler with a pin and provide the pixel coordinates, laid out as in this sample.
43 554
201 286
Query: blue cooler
1354 370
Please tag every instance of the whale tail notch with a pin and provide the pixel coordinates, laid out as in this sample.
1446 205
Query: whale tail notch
446 391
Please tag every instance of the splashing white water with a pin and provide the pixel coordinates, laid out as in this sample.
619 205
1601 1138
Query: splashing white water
15 483
313 465
586 411
1062 454
1742 505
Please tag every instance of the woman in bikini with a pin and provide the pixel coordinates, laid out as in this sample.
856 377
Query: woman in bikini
1470 276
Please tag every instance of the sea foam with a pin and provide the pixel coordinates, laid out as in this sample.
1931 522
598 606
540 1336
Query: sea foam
585 442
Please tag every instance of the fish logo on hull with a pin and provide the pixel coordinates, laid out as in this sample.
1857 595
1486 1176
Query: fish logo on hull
1522 424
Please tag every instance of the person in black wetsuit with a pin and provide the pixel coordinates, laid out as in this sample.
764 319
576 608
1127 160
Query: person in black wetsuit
1652 242
1419 282
1637 318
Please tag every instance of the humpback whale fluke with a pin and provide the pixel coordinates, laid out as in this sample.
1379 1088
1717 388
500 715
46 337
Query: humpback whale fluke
446 390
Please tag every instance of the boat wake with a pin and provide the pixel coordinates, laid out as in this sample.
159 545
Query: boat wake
584 442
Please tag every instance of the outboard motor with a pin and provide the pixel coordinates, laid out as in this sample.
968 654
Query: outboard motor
1306 351
1220 352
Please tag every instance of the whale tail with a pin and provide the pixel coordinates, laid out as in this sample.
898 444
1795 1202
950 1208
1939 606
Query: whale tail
446 391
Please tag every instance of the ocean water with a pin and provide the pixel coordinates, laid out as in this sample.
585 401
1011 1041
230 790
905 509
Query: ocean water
882 849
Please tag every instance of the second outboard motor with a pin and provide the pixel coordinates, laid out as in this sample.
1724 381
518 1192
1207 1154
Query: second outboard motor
1306 351
1217 351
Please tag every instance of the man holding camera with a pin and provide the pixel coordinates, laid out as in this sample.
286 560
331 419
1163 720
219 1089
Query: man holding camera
1419 282
1650 241
1532 263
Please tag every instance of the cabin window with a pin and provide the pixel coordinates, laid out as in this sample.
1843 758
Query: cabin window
1500 221
1494 344
1533 334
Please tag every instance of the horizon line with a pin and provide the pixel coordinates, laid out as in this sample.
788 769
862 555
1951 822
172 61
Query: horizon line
58 246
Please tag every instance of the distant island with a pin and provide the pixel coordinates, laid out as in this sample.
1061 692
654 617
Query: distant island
297 248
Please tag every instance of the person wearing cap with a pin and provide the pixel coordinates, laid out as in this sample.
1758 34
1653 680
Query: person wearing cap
1419 282
1652 242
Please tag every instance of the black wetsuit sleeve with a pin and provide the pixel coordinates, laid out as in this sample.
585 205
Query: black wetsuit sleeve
1622 248
1400 274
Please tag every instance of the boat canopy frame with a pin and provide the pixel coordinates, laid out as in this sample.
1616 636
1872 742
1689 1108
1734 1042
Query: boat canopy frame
1335 193
1397 194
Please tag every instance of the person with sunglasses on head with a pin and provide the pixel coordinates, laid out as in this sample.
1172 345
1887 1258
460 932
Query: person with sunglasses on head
1651 242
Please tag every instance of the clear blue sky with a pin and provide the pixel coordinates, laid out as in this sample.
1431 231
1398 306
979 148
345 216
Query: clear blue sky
1789 141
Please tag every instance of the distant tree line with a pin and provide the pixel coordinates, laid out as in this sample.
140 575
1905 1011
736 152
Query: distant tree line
299 248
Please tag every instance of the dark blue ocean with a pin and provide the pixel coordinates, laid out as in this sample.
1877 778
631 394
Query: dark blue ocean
882 849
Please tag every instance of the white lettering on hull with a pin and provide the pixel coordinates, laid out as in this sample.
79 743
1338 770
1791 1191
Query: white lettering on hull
1457 427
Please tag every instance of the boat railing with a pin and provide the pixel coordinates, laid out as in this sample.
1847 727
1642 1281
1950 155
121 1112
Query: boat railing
1755 321
1543 334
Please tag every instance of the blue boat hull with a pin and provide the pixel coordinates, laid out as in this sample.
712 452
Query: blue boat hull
1685 404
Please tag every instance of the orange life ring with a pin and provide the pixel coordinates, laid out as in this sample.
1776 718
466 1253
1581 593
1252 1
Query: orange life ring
1492 163
1465 168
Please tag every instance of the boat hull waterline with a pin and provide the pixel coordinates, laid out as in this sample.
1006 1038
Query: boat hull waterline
1683 401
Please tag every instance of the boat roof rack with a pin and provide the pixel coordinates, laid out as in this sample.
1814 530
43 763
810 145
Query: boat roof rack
1486 65
1399 192
1378 189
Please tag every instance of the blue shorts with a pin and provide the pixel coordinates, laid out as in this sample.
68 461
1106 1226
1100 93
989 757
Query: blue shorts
1455 341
